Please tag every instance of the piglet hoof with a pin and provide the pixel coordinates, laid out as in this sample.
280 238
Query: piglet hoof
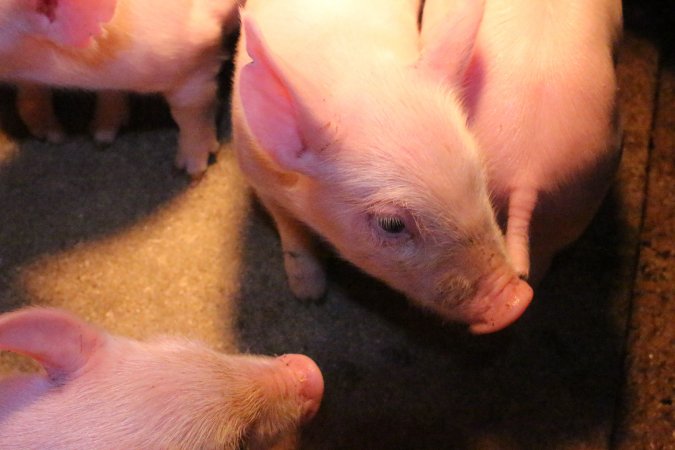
195 163
195 169
306 276
104 137
53 135
193 179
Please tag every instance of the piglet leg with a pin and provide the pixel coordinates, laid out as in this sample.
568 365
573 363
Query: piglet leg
193 107
306 276
34 104
112 112
521 205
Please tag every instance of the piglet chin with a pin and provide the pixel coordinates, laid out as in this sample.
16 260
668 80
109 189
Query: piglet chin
505 308
311 382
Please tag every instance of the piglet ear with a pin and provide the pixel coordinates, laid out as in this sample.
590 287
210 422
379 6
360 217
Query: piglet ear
59 341
449 30
271 107
73 23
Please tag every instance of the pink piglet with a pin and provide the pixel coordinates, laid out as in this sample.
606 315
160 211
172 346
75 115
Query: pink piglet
100 391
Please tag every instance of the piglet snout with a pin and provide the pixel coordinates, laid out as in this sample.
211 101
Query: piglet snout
308 375
505 307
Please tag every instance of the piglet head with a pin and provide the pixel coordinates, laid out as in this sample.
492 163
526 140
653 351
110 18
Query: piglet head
386 170
167 393
210 400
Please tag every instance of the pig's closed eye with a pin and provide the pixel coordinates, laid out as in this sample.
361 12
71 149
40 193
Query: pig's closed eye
391 224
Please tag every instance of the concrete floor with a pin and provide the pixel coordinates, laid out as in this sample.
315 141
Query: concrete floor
115 237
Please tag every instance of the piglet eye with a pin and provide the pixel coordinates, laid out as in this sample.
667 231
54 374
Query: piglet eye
391 224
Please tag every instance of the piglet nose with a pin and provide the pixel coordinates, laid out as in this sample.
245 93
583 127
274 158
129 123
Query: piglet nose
311 382
506 307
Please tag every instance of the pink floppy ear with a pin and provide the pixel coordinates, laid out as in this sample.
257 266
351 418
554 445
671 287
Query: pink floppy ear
270 105
449 30
73 23
59 341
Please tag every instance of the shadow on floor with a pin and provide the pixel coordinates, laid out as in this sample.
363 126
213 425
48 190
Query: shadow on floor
54 197
398 378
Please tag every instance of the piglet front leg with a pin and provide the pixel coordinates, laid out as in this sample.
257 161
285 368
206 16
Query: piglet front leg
305 272
193 107
34 105
111 114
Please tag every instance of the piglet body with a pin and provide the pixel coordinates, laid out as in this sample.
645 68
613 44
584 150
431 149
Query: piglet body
102 391
340 124
173 48
539 94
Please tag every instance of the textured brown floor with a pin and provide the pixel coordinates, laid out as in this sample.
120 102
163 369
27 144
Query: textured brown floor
113 236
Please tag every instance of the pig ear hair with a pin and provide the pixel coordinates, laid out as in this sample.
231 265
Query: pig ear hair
269 104
72 23
59 341
448 37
